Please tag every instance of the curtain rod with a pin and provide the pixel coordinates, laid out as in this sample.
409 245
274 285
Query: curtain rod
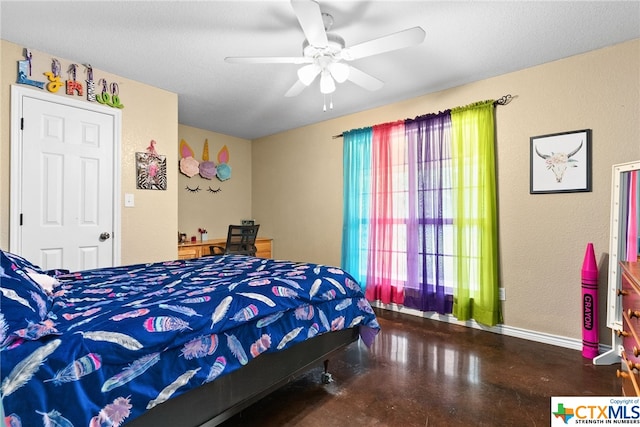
503 100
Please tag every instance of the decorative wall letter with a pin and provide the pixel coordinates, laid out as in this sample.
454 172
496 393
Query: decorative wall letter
112 100
24 71
91 84
55 83
73 85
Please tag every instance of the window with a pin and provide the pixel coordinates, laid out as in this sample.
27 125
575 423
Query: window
422 197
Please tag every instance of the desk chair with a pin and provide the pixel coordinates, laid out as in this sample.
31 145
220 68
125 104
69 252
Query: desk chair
241 239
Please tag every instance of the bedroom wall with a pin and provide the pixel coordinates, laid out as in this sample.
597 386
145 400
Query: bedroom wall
229 205
149 230
297 184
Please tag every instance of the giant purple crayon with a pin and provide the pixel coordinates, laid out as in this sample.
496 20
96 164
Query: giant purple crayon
590 340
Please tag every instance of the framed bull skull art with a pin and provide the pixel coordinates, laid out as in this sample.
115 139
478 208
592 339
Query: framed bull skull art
561 162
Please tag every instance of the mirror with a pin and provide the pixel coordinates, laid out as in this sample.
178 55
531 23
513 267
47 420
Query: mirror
621 191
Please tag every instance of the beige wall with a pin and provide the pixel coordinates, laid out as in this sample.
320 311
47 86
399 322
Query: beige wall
149 229
205 209
297 184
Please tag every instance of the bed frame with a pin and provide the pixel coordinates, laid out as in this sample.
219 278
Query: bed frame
217 401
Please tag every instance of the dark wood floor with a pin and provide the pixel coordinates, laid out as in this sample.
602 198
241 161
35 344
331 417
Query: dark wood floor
422 372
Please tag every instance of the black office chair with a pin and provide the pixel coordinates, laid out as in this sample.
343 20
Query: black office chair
241 239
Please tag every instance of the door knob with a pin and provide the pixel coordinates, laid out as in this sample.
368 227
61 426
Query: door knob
104 236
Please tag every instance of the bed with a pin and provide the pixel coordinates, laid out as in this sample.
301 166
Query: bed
184 342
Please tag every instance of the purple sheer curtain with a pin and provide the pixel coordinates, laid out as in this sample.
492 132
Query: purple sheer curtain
429 225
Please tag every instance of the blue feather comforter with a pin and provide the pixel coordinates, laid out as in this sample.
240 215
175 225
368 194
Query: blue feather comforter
101 347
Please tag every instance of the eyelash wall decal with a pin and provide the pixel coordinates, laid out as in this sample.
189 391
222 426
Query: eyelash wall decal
192 190
211 190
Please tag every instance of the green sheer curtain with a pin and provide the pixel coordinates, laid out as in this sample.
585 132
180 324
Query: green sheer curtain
476 294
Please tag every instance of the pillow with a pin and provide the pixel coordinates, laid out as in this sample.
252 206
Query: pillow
21 263
46 282
45 279
23 302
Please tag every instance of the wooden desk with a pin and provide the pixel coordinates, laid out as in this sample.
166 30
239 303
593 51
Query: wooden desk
199 248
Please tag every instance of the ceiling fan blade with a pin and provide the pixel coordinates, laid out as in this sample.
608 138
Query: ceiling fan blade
296 89
399 40
310 19
364 80
268 59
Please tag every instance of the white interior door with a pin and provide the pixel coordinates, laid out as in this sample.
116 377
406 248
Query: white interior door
67 185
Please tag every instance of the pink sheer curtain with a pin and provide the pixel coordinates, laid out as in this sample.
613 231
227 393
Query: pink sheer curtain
386 257
632 220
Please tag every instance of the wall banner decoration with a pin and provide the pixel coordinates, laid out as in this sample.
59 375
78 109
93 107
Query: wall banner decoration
151 169
110 94
207 169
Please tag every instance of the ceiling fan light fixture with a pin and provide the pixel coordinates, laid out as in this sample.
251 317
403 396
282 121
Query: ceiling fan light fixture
308 73
323 52
339 71
327 85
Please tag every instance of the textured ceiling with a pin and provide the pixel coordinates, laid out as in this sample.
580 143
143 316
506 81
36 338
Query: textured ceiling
180 46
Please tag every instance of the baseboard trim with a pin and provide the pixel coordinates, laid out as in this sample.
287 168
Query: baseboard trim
511 331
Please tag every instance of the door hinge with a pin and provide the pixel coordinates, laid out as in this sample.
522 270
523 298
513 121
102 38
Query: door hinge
20 219
21 123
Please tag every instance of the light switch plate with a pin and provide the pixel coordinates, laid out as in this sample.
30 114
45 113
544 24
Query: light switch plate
129 200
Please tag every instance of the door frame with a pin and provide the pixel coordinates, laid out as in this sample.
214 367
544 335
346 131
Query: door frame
18 93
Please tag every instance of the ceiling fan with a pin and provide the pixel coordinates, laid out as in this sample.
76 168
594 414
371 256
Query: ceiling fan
324 54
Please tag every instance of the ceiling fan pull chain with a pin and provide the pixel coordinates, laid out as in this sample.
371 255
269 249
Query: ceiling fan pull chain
331 102
324 107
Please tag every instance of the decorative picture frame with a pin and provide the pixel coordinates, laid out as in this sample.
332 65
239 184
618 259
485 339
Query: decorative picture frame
560 162
151 171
